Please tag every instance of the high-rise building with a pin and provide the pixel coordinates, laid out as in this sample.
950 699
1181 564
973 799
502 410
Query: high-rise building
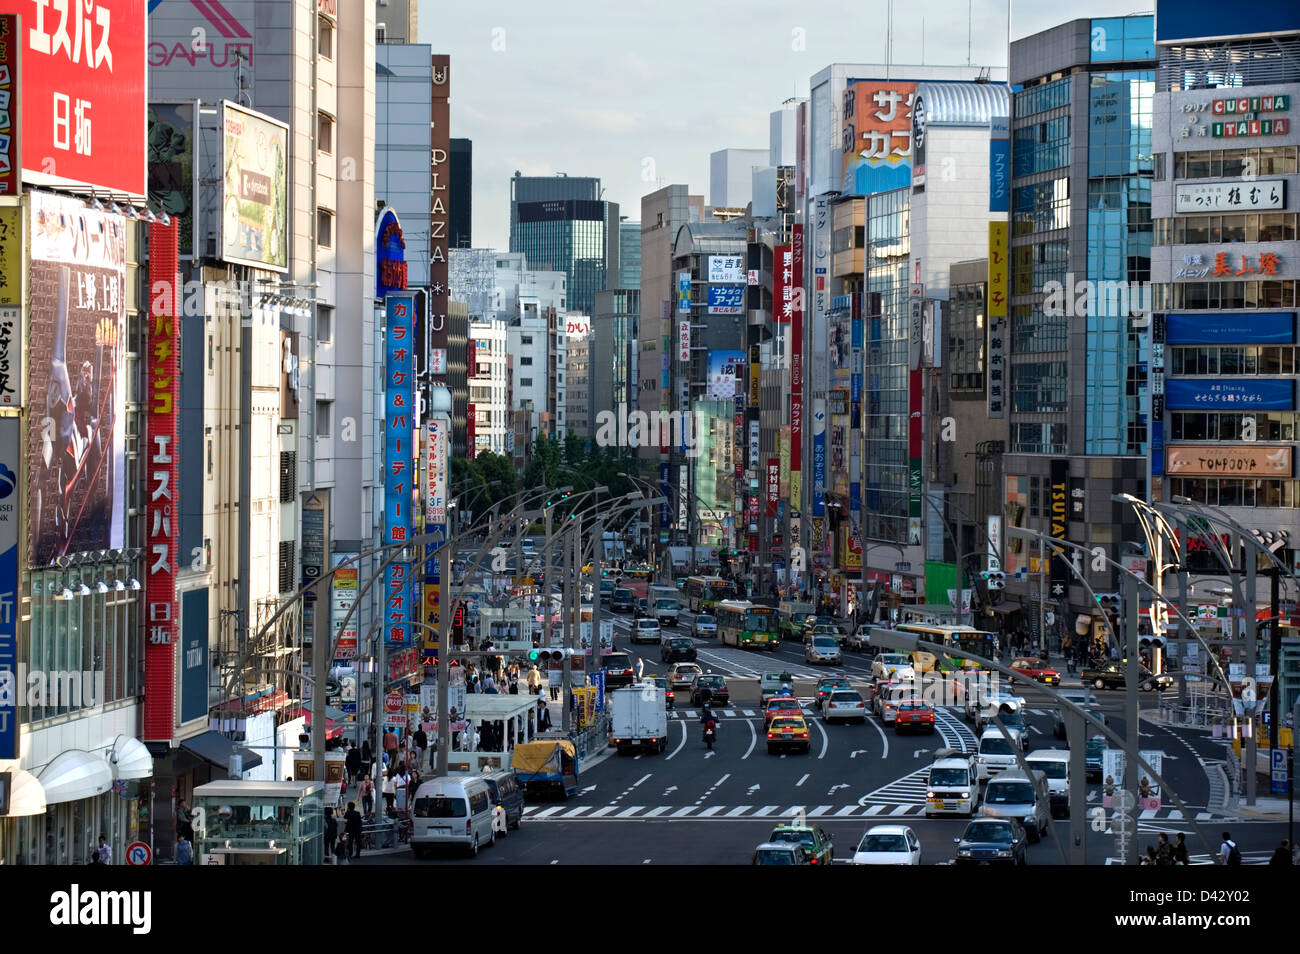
731 176
557 188
396 21
579 237
489 387
578 378
462 186
613 374
402 147
629 255
1078 403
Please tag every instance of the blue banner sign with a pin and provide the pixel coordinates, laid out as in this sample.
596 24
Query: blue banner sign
399 460
1230 394
726 299
12 466
1266 328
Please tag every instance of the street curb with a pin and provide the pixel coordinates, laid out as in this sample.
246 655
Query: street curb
595 760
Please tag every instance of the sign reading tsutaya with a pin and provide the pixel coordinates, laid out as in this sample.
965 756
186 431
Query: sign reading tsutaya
398 461
1231 460
1236 196
84 111
727 269
163 504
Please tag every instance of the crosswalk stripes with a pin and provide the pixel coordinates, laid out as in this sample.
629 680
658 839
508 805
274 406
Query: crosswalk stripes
908 790
775 813
809 709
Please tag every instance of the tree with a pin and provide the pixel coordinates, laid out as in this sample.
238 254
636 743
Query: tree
495 467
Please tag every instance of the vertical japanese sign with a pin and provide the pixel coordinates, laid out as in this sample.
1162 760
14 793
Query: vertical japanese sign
994 535
684 342
344 594
11 312
439 218
437 455
782 282
399 395
796 370
1058 522
683 293
11 159
819 458
684 502
84 112
471 428
999 164
162 504
997 269
11 492
914 441
773 484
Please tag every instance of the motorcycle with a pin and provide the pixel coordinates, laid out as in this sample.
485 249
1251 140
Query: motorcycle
710 733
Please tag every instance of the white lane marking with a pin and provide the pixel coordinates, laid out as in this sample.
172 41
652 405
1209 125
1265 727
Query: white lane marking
555 861
901 809
856 752
874 810
639 781
801 781
589 788
826 741
646 862
601 812
657 811
550 811
575 812
681 743
748 712
1147 813
820 810
710 811
753 740
719 781
765 810
836 788
710 754
883 737
793 809
629 812
847 810
738 810
683 811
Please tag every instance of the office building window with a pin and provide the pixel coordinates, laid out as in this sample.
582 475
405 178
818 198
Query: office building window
324 323
325 41
323 418
325 133
324 228
525 382
526 361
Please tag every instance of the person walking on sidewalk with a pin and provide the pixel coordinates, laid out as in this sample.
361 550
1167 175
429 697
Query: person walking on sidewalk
534 680
352 762
352 828
1282 854
390 790
331 835
184 850
543 716
1180 851
421 739
367 792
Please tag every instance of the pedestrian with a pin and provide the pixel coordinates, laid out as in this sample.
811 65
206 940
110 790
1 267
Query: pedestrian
105 851
352 829
1282 854
352 762
543 716
1150 857
184 850
367 793
331 835
1229 854
514 680
489 684
640 668
391 743
390 790
421 739
1164 851
1180 850
184 820
367 759
400 783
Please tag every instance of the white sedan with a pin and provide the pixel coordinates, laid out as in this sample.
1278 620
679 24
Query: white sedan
894 666
705 626
888 845
683 675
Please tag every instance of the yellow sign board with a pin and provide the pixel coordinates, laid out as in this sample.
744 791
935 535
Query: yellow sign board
998 269
11 255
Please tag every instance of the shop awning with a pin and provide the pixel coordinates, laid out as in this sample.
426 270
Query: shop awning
26 796
1006 606
74 775
217 749
130 759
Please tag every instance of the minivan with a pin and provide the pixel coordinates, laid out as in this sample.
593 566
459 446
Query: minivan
452 810
504 791
1023 798
952 787
995 753
1055 766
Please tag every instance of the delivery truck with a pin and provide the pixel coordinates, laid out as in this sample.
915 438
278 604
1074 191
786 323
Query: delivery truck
639 718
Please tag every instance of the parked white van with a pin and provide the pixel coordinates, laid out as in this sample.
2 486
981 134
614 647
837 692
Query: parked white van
455 810
995 753
1055 765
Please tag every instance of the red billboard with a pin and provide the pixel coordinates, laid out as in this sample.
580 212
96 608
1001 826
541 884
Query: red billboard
796 365
471 412
84 108
162 503
10 71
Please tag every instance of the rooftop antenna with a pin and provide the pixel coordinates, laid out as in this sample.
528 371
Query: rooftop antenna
970 24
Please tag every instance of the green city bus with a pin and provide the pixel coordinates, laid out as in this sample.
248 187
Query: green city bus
746 625
703 593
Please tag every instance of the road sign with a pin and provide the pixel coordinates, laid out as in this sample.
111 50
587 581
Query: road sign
138 853
1278 757
393 702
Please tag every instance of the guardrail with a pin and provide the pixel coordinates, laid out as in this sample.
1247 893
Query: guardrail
591 741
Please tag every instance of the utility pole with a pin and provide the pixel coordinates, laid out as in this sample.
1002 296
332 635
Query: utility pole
1182 610
1131 725
1248 678
1076 734
1274 651
566 622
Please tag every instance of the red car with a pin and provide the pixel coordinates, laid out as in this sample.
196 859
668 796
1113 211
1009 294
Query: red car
781 706
1037 669
914 715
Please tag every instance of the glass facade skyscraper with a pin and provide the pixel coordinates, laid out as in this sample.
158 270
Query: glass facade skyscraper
572 236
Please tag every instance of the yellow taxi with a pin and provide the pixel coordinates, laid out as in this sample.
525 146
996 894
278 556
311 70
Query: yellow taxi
788 732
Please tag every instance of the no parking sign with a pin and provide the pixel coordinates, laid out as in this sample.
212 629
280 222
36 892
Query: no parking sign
138 853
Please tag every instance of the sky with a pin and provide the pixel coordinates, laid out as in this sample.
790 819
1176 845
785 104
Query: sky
639 94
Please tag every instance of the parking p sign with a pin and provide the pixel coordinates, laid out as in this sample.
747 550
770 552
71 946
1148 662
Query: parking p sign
1278 775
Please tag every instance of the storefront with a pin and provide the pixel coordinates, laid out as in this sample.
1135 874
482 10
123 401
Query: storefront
259 823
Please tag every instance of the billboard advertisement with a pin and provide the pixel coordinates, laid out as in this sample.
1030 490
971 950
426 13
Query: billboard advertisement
1227 394
684 342
1200 20
342 597
77 443
726 269
11 312
796 370
726 299
819 458
439 217
84 94
1233 460
1255 328
773 484
724 368
1252 196
877 136
1000 164
10 69
683 293
782 283
390 255
173 172
997 269
161 485
437 449
11 466
399 396
254 154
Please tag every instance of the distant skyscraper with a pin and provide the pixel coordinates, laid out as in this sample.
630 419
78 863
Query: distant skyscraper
629 255
561 224
462 181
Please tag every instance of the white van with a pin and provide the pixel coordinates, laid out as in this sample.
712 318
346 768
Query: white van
1055 765
995 753
1023 798
952 787
455 810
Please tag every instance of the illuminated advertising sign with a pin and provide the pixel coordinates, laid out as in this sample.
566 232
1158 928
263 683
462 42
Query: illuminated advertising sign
1208 329
727 269
398 460
877 136
11 312
436 454
173 173
162 503
1235 196
683 293
773 484
254 207
726 299
1058 522
390 254
77 438
1000 165
10 68
724 368
997 269
819 458
1234 460
439 219
1266 394
796 370
782 283
84 104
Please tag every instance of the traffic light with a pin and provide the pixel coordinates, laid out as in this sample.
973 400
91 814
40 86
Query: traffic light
1109 602
1147 643
997 579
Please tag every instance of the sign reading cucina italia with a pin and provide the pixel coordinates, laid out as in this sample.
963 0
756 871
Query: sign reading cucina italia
1229 461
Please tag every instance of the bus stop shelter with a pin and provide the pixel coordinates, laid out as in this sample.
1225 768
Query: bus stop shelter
502 721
